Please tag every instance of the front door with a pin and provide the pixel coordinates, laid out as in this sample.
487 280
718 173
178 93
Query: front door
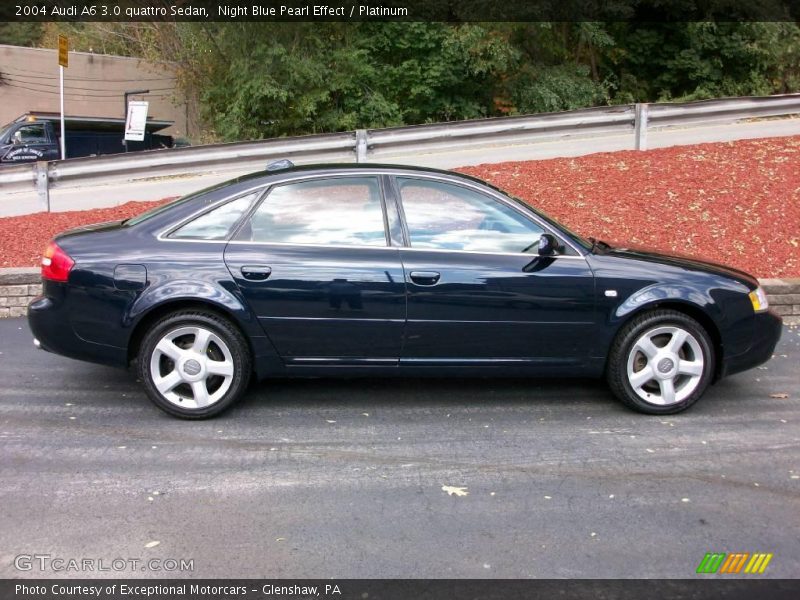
315 264
478 292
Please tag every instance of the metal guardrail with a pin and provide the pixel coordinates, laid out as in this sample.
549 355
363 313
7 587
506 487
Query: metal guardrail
605 117
372 144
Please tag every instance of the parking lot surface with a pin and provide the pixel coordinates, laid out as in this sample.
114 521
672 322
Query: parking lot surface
395 478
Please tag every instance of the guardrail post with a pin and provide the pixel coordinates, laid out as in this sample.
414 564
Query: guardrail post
43 184
361 145
640 126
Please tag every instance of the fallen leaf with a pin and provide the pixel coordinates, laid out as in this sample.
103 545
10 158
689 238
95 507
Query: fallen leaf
455 491
151 544
780 395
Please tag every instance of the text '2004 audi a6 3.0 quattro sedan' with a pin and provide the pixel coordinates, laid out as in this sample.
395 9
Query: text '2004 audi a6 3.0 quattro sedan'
342 270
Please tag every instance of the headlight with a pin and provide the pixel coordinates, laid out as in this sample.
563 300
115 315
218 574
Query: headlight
759 299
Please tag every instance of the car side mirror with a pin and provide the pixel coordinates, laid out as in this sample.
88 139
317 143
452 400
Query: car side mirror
548 244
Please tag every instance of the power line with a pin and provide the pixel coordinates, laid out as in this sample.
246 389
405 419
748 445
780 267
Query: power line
83 97
43 75
80 89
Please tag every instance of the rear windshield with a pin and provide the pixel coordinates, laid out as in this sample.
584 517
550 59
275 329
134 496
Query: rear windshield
157 210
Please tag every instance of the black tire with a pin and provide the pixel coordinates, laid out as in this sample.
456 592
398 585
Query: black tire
620 358
226 349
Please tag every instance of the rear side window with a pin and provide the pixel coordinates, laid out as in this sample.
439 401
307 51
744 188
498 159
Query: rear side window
217 223
342 211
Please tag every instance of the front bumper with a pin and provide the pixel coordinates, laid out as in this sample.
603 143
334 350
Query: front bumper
767 329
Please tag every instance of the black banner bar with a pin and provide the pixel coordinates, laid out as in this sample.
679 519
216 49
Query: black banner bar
375 589
400 10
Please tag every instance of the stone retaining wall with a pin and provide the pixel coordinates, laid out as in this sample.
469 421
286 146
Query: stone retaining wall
19 286
784 297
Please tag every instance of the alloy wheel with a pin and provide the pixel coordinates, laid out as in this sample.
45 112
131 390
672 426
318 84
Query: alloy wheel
191 367
665 365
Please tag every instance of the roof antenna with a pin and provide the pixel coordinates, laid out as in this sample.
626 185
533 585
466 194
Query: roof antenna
280 165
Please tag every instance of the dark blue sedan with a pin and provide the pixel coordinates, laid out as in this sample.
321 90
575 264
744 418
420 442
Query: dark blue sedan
343 270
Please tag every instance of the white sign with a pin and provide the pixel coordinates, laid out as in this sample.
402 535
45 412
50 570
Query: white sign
137 120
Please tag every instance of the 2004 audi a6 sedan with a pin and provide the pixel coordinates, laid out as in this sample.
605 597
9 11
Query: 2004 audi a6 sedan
342 270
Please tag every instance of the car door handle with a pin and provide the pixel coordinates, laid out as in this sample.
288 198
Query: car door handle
256 272
425 277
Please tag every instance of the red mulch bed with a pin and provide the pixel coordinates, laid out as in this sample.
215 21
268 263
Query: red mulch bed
25 237
736 203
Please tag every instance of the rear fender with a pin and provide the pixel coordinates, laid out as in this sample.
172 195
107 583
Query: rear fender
192 293
175 291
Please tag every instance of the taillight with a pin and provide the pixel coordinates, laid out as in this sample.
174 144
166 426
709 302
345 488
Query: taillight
56 264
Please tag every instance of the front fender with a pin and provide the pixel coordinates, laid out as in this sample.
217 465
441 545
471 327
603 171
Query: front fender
666 292
725 307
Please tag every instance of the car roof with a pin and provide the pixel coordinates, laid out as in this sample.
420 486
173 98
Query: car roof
333 168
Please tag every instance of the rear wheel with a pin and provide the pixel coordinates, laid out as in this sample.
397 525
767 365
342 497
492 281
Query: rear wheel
194 364
661 362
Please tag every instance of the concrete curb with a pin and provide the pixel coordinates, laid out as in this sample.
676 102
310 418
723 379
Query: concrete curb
18 286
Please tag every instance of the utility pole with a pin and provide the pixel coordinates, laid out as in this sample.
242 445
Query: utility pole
63 61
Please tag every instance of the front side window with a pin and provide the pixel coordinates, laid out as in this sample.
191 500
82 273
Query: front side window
445 216
217 223
342 211
31 134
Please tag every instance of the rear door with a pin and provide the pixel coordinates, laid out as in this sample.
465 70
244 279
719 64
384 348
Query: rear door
315 263
478 292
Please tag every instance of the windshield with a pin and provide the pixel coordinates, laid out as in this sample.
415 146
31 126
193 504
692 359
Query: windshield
157 210
587 245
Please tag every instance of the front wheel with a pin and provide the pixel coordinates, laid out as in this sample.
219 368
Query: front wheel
194 364
661 363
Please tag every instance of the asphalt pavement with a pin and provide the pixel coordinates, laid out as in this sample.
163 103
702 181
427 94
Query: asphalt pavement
394 478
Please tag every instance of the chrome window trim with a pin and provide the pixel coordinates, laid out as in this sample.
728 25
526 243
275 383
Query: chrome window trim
356 172
399 248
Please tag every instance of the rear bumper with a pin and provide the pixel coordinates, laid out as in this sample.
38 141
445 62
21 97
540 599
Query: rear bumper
51 328
767 329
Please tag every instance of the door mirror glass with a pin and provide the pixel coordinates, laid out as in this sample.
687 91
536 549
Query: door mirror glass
548 245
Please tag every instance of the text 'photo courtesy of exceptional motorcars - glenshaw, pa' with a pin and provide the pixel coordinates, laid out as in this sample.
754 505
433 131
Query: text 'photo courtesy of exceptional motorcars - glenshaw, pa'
399 300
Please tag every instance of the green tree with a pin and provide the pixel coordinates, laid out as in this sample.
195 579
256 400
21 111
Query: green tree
255 80
20 34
